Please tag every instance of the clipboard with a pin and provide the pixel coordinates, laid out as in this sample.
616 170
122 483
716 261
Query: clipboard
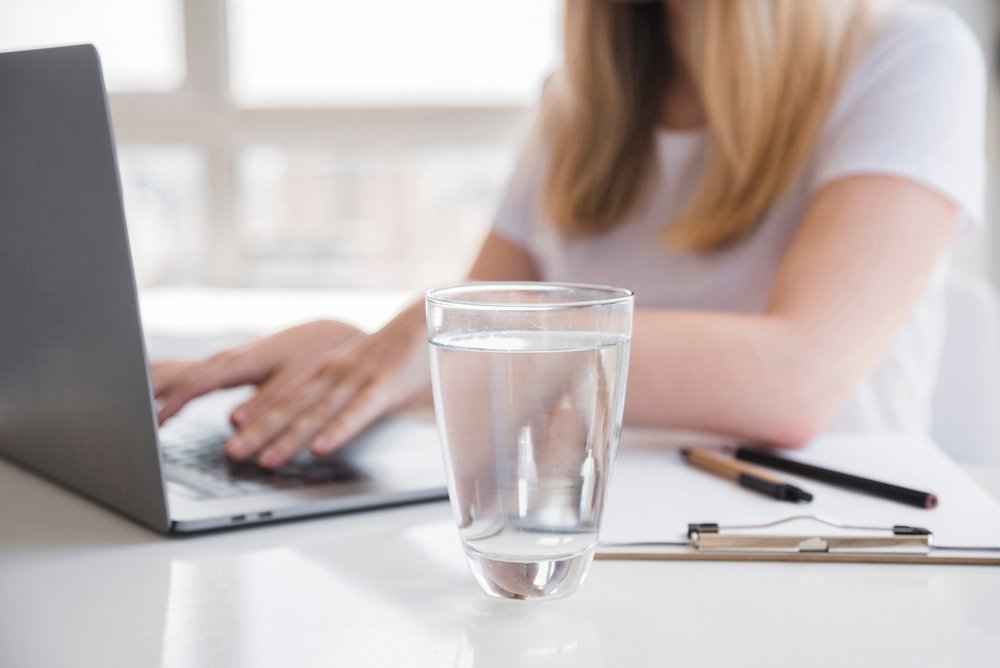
653 498
709 541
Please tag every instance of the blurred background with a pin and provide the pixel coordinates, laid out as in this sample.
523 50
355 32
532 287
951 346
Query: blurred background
330 143
307 143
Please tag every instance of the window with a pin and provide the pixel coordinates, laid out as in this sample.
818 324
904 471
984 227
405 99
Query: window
391 52
365 217
141 42
307 142
164 191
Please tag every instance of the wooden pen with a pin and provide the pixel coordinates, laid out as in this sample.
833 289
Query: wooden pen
745 475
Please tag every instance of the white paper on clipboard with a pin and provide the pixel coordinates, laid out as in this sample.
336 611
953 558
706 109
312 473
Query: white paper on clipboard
654 495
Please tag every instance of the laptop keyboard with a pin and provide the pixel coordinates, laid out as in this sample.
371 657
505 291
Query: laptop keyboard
195 466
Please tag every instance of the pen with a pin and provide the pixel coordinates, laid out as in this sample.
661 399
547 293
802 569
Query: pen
874 487
747 476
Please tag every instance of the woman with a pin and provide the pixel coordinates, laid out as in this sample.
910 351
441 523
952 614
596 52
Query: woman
778 181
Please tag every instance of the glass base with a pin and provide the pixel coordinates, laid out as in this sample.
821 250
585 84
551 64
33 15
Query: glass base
527 580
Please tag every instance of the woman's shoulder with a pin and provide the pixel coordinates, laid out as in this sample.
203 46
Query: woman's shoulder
919 62
913 107
907 37
925 20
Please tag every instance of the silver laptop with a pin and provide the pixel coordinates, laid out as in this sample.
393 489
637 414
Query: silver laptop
76 404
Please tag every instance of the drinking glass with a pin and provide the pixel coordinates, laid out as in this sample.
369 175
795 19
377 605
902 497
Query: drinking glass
529 388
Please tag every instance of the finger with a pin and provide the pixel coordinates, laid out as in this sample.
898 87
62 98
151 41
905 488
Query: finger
306 427
266 395
363 409
164 372
267 425
202 379
219 371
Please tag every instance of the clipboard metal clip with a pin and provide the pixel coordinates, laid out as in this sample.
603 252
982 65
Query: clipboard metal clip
712 537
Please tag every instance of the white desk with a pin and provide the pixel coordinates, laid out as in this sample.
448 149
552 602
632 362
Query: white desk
80 586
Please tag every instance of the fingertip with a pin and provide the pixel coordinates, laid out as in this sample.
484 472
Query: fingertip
269 459
239 416
164 412
235 448
323 445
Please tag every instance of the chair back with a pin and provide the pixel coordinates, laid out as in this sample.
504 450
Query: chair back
966 402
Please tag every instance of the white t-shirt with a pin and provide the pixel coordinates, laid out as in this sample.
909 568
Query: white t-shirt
914 107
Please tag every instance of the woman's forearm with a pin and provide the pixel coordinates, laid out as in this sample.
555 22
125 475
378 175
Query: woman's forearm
852 275
749 376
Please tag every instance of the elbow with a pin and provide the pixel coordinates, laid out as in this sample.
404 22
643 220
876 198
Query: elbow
801 402
791 435
795 420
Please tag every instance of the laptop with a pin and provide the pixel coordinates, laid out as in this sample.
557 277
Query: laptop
76 404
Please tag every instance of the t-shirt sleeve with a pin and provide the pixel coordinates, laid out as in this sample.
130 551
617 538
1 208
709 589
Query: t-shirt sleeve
915 108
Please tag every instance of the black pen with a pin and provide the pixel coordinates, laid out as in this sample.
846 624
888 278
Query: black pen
874 487
746 476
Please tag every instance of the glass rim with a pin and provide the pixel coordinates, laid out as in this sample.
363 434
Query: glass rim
439 295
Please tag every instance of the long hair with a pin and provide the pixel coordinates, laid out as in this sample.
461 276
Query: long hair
767 73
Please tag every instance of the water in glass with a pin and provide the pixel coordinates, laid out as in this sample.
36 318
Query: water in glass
530 421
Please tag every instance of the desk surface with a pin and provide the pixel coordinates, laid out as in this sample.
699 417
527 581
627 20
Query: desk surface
80 586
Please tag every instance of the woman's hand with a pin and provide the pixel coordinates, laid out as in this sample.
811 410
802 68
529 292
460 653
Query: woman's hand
347 390
273 363
322 383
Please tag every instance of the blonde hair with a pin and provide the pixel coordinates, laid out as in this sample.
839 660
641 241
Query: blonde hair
767 73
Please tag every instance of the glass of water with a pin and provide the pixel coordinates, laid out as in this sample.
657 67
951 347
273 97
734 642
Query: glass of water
529 388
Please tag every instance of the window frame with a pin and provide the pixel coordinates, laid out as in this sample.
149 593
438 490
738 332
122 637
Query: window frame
201 113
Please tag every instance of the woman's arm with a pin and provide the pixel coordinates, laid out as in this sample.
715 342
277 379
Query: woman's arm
854 271
350 387
500 260
852 274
